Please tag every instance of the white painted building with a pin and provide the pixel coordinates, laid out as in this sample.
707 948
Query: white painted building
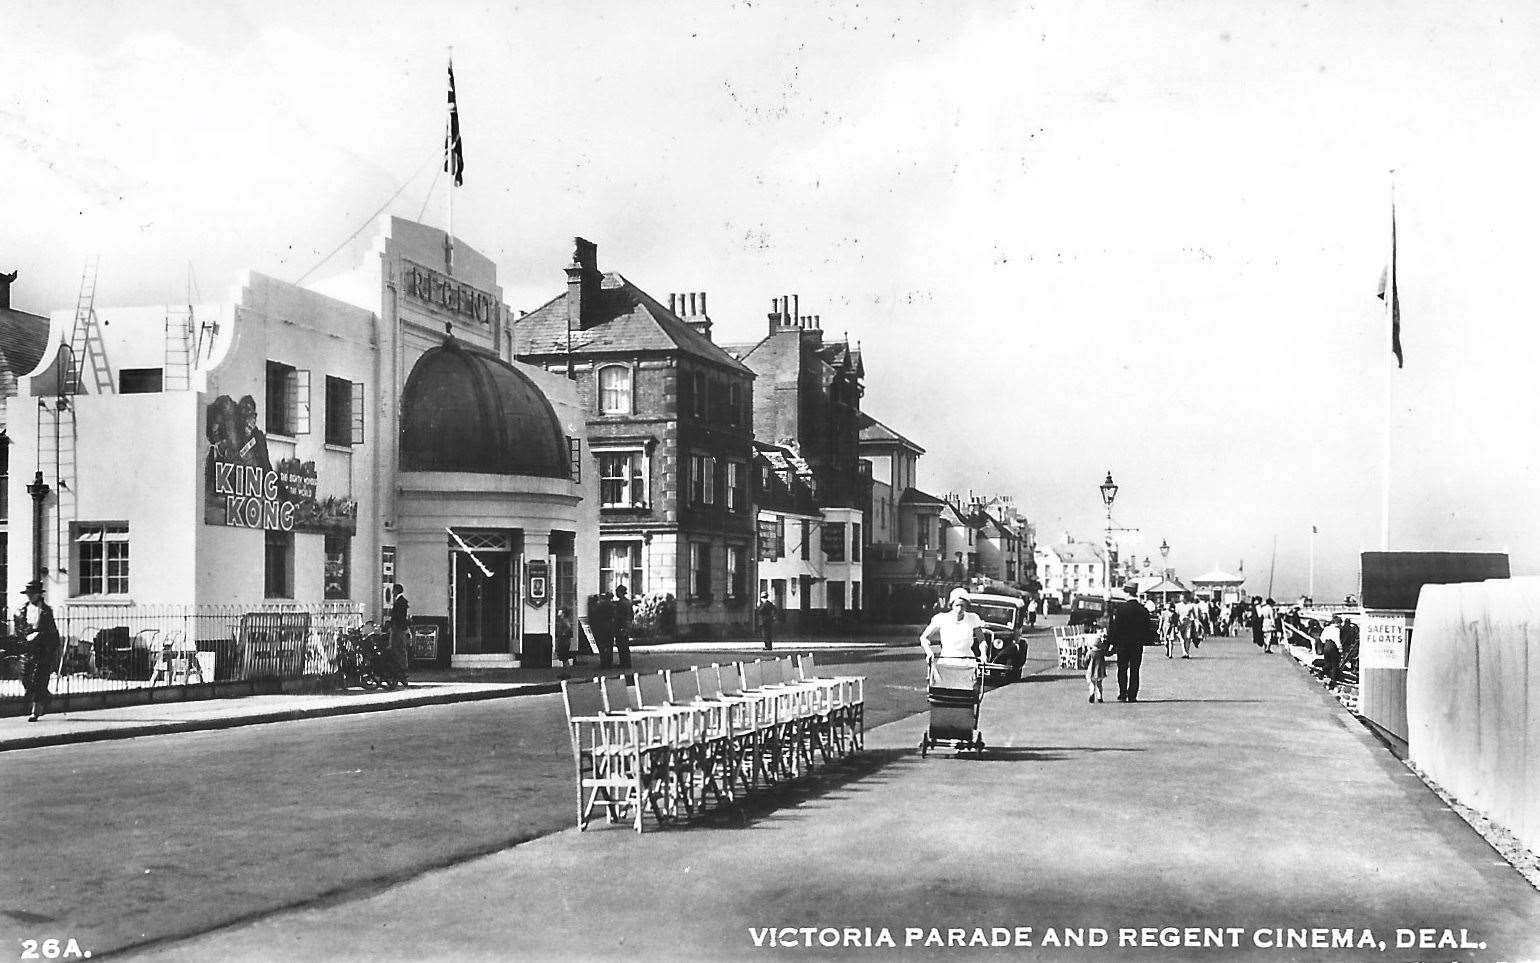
290 445
1068 567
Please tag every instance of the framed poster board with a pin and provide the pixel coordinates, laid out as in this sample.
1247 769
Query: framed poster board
428 644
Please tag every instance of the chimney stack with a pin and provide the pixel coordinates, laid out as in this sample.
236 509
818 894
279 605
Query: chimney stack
5 290
583 281
692 308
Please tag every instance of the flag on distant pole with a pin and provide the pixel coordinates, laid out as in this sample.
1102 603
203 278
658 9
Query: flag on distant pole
454 155
1388 292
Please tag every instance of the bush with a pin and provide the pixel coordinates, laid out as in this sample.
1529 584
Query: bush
654 614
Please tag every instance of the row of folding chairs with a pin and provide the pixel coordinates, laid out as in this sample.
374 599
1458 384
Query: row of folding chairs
671 744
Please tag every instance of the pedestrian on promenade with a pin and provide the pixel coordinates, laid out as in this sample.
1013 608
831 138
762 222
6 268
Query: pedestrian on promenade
1256 621
1165 626
957 630
624 612
1331 650
40 651
764 612
1128 629
601 621
1096 669
400 629
563 637
1268 615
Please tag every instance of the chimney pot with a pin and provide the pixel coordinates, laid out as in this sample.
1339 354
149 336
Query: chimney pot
703 302
796 304
692 304
671 308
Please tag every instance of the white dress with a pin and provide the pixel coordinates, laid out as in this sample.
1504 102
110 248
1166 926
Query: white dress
956 636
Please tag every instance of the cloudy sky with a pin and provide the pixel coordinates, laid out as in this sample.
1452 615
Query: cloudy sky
1071 237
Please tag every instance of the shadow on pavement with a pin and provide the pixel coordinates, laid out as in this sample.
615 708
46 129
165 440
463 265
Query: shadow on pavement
824 782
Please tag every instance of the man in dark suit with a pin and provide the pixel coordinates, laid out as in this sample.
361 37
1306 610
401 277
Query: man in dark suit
40 655
1128 630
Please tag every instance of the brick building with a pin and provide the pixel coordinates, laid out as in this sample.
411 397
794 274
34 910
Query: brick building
807 407
670 426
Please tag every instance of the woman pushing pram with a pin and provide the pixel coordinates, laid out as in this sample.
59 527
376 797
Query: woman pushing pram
954 675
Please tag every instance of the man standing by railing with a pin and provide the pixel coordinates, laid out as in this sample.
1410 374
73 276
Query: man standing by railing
40 654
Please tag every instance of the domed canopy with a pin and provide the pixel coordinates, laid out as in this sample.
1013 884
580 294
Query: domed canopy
465 410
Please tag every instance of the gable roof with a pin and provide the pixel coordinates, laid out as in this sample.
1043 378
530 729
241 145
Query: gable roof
913 496
1072 552
628 319
873 430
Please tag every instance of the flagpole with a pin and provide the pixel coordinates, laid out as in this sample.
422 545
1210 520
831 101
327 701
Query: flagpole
1390 379
449 238
1311 590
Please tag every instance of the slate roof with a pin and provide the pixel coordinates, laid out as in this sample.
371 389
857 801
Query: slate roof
874 430
1074 552
628 319
913 496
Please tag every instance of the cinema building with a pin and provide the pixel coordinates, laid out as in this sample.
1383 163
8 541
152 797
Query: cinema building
311 446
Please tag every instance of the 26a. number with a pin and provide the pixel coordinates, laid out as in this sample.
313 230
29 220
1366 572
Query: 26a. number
53 950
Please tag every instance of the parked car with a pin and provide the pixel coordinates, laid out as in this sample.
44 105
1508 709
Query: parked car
1086 609
1005 643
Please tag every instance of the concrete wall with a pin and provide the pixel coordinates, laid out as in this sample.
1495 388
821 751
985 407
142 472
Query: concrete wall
1473 697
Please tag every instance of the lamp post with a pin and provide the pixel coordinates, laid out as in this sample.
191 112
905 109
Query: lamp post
1109 490
1165 550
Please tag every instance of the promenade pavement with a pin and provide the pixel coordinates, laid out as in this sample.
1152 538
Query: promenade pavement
1235 798
429 687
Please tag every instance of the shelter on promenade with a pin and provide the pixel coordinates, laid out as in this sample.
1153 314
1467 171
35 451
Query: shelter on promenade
1220 585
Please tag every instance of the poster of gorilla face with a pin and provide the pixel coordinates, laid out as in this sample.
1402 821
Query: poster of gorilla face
244 489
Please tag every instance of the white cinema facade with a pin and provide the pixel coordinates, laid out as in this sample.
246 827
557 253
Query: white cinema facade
312 445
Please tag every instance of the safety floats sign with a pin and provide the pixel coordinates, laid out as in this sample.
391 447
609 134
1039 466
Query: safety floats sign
1383 645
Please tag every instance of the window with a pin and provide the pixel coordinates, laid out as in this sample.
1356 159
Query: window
139 381
834 541
575 460
703 483
698 394
620 563
288 400
736 571
700 570
735 404
737 496
344 412
101 558
622 479
339 550
615 390
772 538
278 565
855 543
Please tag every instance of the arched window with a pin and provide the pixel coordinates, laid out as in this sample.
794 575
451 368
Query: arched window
615 390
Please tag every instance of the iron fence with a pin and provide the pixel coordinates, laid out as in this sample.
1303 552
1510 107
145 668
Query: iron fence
109 647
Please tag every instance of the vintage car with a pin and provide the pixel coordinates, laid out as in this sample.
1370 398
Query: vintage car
1005 643
1086 609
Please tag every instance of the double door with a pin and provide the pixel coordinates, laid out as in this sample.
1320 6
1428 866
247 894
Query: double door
485 602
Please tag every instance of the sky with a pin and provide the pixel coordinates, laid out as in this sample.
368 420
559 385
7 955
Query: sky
1071 238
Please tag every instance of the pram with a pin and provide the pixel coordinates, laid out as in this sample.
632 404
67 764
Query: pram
955 690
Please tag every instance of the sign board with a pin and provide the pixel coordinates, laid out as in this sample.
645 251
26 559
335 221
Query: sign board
1383 645
537 582
387 576
423 642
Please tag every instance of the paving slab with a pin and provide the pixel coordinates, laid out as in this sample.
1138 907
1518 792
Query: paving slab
1235 804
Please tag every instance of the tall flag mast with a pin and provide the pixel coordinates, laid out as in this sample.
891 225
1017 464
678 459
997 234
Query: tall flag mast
1391 295
454 163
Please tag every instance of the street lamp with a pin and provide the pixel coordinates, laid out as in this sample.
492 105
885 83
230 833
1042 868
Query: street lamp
1109 491
1165 550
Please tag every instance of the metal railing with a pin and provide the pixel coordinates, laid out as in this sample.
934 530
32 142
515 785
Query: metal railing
108 647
